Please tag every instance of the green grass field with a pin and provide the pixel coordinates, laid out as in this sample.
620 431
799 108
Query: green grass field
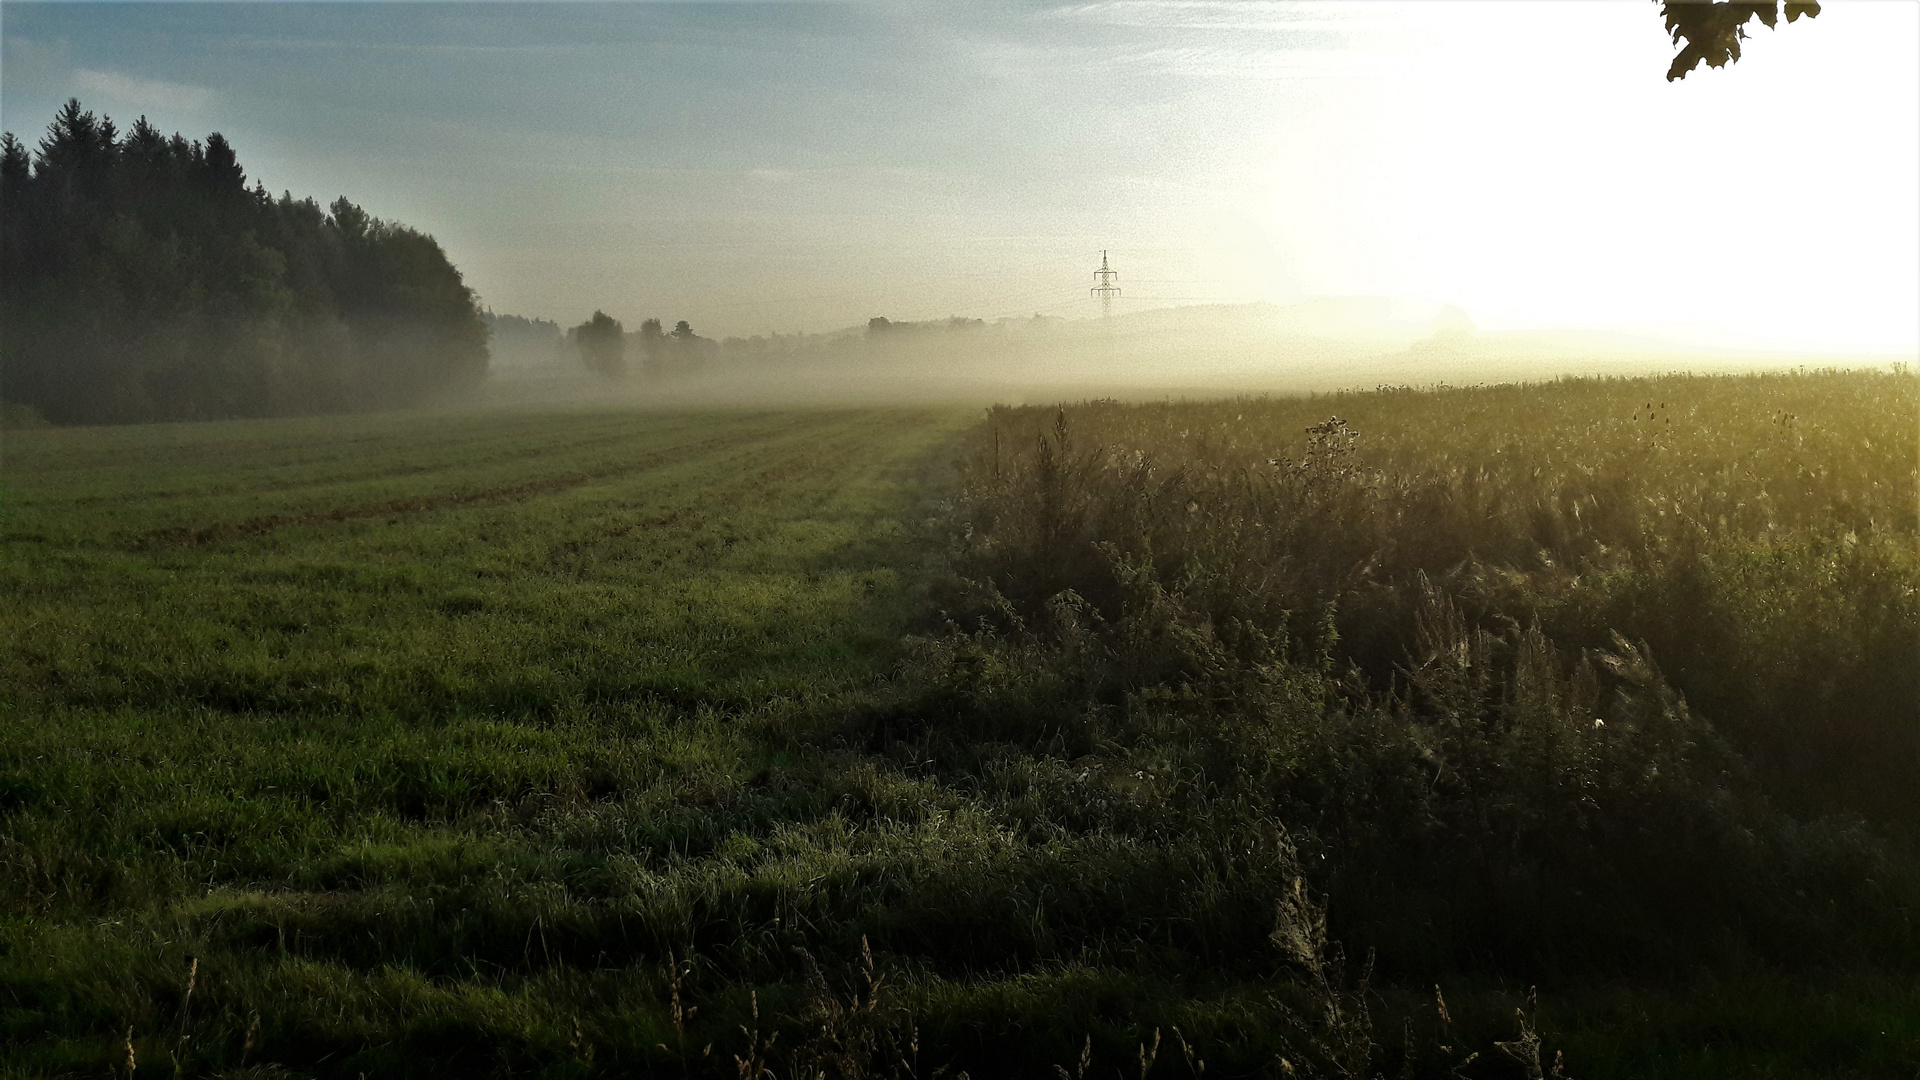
367 684
623 743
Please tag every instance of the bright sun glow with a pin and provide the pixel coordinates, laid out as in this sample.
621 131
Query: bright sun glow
1521 161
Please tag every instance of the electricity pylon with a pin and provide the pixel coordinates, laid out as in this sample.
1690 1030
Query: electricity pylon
1104 286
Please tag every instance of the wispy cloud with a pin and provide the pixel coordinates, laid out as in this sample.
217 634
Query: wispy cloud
148 93
1202 14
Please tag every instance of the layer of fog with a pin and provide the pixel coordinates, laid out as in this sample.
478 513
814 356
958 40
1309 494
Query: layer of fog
1200 351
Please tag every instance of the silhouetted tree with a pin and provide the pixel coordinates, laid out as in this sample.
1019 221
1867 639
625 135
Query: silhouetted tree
142 279
673 354
1713 31
602 343
653 344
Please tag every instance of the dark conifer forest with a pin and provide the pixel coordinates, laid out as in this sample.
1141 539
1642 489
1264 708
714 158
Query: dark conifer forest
145 280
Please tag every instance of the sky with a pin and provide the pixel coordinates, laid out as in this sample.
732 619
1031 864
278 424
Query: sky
805 166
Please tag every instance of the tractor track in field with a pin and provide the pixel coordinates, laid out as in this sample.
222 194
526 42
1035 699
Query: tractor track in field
181 536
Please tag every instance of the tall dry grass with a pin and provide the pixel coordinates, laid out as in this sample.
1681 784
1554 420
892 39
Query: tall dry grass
1574 676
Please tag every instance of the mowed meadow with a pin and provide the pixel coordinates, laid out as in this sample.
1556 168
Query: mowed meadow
1435 732
423 566
359 685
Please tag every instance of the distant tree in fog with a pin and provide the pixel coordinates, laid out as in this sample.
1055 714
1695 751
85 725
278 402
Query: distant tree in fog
603 344
517 340
141 279
880 325
675 354
653 343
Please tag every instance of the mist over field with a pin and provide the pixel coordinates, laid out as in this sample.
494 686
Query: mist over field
1142 538
1200 350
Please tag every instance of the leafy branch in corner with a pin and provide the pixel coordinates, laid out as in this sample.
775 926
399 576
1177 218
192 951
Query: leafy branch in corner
1713 31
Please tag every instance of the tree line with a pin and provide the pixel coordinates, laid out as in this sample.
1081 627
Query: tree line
518 341
604 345
143 279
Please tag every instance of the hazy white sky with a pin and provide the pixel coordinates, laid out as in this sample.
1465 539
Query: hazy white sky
775 167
